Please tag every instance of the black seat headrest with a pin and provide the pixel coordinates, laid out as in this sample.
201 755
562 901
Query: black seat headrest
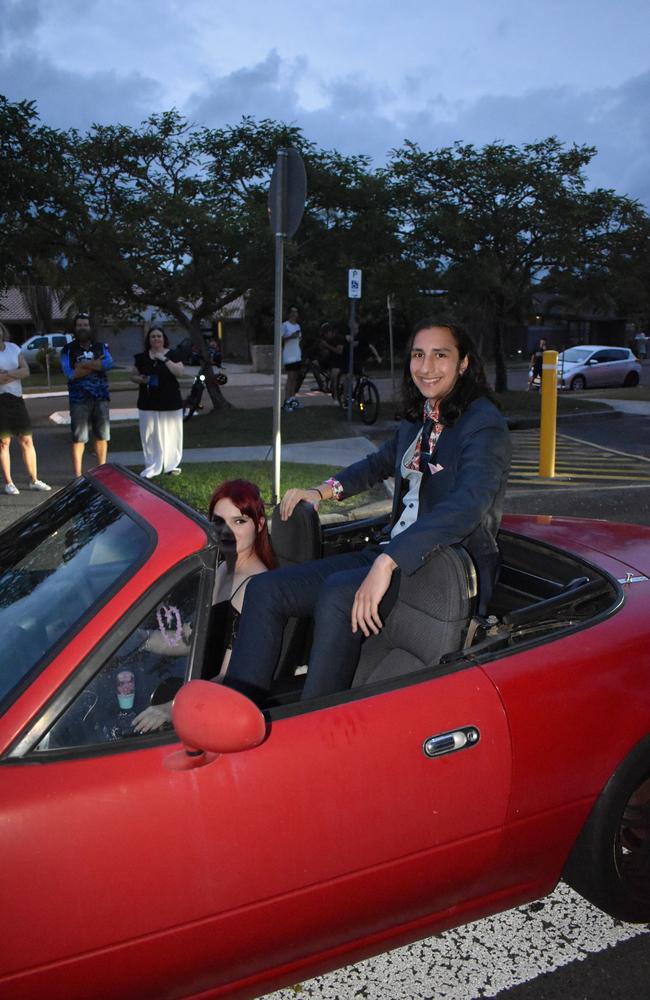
298 539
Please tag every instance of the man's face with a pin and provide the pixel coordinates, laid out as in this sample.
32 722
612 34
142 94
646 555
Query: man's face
82 329
293 316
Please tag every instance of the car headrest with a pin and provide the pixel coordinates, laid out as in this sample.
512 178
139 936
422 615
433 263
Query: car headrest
298 539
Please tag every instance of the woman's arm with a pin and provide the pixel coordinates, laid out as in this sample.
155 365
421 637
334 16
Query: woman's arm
22 371
137 377
175 367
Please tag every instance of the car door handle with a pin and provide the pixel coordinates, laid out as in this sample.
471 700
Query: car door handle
456 739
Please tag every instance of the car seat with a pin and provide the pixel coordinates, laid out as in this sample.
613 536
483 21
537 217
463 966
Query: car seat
428 620
294 541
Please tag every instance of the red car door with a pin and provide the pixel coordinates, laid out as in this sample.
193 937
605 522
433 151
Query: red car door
120 874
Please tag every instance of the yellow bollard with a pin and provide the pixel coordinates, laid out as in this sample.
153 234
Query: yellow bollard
548 420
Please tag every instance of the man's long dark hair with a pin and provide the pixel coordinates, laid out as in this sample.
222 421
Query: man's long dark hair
469 386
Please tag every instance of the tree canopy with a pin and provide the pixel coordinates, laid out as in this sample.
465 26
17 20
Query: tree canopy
174 216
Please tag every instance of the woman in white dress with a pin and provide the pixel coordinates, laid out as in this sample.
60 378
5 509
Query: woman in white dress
156 371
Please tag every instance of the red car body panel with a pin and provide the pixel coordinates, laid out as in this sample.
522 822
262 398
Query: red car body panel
332 840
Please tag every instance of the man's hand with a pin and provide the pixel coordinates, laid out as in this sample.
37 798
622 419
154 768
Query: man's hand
293 497
365 610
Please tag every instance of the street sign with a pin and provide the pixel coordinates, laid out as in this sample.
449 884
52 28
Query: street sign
354 283
287 193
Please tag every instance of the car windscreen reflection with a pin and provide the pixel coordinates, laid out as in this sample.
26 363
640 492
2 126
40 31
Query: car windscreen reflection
51 574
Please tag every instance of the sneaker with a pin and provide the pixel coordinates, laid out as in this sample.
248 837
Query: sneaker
12 490
295 404
173 472
38 484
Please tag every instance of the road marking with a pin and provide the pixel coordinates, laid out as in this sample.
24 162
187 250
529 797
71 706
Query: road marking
576 462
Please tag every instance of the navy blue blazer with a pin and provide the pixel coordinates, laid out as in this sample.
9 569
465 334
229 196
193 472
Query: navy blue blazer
462 503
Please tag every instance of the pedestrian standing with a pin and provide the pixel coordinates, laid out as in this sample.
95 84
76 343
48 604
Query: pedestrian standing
14 418
85 362
536 362
160 405
292 358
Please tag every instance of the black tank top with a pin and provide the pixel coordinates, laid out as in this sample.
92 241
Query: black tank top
222 632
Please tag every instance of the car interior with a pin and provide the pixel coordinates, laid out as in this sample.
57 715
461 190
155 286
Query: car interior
540 593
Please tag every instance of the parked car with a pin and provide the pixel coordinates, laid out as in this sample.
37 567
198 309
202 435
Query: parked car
253 847
33 347
591 366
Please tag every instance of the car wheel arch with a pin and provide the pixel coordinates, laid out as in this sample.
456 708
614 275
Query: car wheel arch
596 866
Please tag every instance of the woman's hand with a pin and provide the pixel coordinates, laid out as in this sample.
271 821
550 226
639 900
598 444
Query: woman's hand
153 718
365 610
293 497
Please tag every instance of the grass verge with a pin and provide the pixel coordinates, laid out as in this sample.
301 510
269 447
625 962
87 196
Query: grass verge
198 482
232 427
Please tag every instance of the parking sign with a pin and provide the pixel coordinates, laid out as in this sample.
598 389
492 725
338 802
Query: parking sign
354 283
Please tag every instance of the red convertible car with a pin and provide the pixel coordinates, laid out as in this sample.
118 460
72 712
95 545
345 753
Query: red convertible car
249 848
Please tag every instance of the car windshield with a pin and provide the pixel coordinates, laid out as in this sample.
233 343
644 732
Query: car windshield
576 355
53 567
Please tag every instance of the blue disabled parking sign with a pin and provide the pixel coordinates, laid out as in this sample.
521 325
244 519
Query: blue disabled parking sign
354 283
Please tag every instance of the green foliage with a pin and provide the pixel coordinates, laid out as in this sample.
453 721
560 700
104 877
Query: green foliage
175 216
198 482
490 225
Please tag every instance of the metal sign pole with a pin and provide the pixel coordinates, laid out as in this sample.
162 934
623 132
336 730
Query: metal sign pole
280 222
287 193
391 305
354 293
353 328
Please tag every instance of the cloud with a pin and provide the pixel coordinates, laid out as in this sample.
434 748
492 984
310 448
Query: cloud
347 112
68 99
18 19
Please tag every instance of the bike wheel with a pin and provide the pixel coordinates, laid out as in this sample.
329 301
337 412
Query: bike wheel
191 404
367 399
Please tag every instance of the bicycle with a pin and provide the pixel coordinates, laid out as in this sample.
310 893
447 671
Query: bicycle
321 375
365 397
192 402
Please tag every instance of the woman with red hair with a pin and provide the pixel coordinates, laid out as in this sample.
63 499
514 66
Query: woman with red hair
238 510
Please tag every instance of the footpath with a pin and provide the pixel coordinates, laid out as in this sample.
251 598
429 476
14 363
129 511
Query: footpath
48 410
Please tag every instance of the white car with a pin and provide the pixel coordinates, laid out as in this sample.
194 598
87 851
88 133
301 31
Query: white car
42 341
590 366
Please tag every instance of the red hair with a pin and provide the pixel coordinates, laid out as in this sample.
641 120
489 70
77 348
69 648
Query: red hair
247 498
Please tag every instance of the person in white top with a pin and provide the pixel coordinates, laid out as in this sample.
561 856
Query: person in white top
14 418
292 358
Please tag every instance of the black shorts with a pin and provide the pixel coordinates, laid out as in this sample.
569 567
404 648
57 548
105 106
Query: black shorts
14 418
293 366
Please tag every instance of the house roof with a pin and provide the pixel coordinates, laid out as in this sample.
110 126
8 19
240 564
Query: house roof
13 308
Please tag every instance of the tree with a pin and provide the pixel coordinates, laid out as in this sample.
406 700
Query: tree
175 216
487 225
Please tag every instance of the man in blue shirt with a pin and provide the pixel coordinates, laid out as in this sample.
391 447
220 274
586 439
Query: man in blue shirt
85 362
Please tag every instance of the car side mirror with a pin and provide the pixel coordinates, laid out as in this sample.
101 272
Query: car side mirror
210 720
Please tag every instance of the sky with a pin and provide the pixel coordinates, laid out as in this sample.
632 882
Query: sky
360 77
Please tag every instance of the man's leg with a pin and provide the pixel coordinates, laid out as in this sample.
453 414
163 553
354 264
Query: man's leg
79 418
101 448
101 428
271 599
335 648
77 456
292 381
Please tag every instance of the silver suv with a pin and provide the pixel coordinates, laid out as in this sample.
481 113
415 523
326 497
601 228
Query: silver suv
41 342
590 366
